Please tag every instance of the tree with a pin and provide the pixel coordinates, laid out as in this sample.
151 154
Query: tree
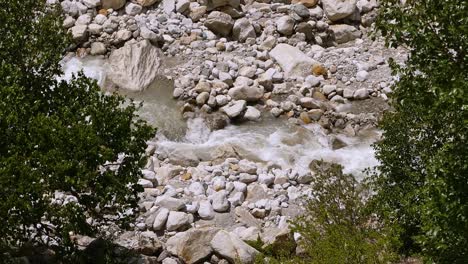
423 178
59 140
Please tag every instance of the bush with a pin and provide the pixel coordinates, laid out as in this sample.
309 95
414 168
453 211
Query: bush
336 226
59 139
422 181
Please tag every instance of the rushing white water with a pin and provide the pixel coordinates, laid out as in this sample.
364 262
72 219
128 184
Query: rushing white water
272 140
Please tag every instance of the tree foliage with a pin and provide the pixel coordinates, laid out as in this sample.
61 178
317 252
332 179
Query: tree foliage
59 139
423 177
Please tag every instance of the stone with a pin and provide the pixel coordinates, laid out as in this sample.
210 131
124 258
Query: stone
247 166
252 113
345 33
301 10
361 94
338 9
285 25
247 93
114 4
182 6
91 3
68 22
319 70
146 2
205 211
134 66
292 60
123 35
168 6
338 143
247 178
235 109
160 219
178 220
196 188
309 103
202 98
237 199
305 118
83 20
348 93
145 183
148 34
232 248
307 29
197 12
148 244
266 179
193 245
170 203
243 30
98 48
307 3
305 178
362 76
365 6
315 114
79 33
328 89
220 23
220 201
133 9
95 29
268 43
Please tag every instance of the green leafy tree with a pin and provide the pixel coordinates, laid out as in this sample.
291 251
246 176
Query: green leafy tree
59 138
423 178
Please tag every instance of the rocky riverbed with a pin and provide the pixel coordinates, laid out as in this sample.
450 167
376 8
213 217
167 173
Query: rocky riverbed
246 95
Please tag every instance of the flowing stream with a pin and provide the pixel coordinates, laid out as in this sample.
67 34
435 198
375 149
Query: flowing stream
270 140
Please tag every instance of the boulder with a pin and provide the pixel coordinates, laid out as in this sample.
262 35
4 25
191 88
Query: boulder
169 6
220 201
98 48
243 30
220 23
79 33
133 9
114 4
134 66
344 33
338 9
252 113
146 2
307 3
247 93
160 219
292 60
193 245
232 248
205 211
178 220
235 109
285 25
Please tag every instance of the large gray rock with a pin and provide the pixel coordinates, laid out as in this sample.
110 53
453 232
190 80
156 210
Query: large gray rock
160 219
178 220
243 30
338 9
232 248
146 2
247 93
114 4
170 203
292 60
344 33
79 33
285 25
193 245
234 109
220 23
134 66
220 201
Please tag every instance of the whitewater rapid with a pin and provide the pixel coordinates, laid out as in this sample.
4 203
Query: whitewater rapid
271 140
